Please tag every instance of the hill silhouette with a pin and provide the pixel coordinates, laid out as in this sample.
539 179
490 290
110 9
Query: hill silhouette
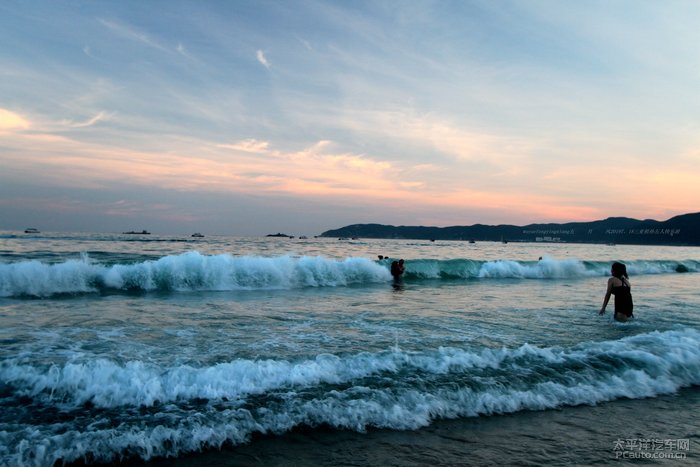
679 230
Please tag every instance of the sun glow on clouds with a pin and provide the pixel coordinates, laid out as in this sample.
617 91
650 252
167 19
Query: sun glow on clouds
324 171
11 121
248 145
248 166
320 171
315 170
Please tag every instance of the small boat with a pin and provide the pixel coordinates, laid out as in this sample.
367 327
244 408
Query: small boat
303 237
131 232
31 230
197 235
278 234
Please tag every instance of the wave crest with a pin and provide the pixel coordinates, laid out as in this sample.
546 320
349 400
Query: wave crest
393 389
186 272
193 271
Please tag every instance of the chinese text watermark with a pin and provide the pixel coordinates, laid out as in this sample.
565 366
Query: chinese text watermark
651 448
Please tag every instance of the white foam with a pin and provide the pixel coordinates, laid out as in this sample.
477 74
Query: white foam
352 392
38 279
546 268
193 271
186 272
108 384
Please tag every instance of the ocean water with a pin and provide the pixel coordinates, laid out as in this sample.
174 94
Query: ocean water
165 349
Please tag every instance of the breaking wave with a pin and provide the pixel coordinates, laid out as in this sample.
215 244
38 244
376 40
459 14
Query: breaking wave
105 410
193 271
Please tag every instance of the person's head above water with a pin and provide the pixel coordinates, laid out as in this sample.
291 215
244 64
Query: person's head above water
619 270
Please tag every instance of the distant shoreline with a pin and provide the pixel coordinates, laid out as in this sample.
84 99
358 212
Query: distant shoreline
683 230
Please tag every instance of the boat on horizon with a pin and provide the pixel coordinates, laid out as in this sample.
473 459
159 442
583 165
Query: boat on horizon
31 230
278 234
132 232
197 235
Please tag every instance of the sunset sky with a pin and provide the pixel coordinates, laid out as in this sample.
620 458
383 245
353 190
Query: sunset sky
253 117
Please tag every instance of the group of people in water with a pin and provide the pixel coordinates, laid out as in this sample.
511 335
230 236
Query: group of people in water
397 267
618 285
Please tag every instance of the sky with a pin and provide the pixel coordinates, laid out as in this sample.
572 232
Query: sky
254 117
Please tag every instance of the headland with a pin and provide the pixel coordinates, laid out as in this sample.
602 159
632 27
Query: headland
682 230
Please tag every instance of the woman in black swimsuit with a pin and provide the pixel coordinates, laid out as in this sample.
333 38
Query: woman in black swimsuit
619 286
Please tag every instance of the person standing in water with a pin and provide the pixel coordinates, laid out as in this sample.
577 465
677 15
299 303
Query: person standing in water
619 286
397 268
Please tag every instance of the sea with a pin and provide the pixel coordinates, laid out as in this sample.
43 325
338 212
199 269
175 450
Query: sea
174 350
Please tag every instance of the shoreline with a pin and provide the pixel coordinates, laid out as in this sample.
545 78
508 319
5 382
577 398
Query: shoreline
679 230
529 242
565 436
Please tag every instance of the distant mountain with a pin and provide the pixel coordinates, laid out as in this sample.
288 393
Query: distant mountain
679 230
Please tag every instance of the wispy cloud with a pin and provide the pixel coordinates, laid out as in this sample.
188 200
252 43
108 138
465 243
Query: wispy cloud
262 59
442 136
132 33
305 43
243 167
129 208
521 106
182 50
89 122
248 145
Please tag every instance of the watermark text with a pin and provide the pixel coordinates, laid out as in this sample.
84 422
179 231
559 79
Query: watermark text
651 448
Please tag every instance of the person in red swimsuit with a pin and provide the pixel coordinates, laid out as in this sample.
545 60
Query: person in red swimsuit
619 286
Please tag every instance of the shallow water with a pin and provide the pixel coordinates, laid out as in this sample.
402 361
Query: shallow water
116 347
581 435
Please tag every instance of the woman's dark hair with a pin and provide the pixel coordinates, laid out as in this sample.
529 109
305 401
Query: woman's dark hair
619 270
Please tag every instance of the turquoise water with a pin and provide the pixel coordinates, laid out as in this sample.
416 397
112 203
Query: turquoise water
122 347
